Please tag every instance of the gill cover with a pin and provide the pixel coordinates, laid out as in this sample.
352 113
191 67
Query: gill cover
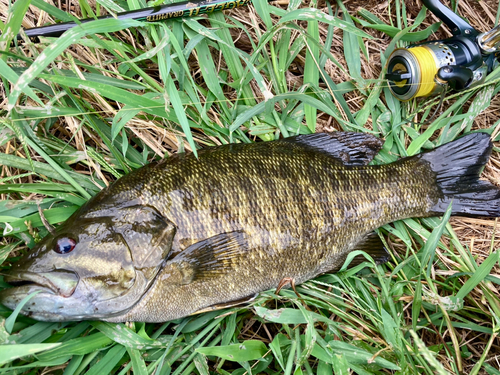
114 254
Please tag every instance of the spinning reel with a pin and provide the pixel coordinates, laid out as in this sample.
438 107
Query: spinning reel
459 62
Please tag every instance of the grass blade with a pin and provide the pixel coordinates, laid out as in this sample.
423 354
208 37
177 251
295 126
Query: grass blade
479 275
12 352
55 49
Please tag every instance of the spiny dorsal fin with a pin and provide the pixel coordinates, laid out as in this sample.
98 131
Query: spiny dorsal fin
347 147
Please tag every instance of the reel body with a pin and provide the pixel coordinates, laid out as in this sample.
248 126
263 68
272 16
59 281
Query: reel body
459 62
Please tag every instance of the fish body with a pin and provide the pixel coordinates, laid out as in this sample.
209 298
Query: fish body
190 234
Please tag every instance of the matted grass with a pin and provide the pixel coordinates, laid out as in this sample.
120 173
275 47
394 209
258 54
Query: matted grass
84 109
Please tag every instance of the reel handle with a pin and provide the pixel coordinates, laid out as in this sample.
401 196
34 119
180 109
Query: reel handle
458 77
490 40
456 24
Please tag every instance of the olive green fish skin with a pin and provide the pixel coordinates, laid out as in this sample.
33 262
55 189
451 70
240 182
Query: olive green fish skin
187 235
299 214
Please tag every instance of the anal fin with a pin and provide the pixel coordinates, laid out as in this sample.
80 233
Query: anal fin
370 244
373 246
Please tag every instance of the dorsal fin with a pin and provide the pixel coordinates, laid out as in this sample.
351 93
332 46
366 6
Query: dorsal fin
347 147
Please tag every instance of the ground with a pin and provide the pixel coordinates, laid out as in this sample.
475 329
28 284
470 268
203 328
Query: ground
71 130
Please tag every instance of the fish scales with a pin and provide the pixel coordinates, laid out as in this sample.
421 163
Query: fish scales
316 201
189 234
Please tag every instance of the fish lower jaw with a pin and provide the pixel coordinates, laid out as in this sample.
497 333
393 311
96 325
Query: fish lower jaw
12 297
84 303
45 305
62 283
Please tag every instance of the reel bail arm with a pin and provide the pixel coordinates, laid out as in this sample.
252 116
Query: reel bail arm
454 22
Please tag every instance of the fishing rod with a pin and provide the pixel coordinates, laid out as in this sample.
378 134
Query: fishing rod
158 13
460 62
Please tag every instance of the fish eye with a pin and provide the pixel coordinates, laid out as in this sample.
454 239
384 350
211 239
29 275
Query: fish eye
64 245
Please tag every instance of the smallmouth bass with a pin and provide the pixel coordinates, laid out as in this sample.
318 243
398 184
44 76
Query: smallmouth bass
185 235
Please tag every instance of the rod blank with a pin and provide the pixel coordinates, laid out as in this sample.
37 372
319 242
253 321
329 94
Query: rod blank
183 9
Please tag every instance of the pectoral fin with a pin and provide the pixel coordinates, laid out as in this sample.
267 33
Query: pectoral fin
213 257
226 305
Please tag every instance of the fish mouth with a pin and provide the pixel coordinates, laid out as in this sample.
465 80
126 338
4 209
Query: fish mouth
59 282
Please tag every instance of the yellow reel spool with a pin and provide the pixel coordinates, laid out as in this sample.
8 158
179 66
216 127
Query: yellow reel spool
413 71
428 69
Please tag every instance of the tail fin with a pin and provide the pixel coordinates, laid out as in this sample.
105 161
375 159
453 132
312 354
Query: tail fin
457 166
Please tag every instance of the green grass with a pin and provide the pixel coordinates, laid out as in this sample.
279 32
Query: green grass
84 110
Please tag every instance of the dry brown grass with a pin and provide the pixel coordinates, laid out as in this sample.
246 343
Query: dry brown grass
477 234
163 141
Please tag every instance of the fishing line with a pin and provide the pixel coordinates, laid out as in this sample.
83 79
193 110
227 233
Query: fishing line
429 121
427 68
